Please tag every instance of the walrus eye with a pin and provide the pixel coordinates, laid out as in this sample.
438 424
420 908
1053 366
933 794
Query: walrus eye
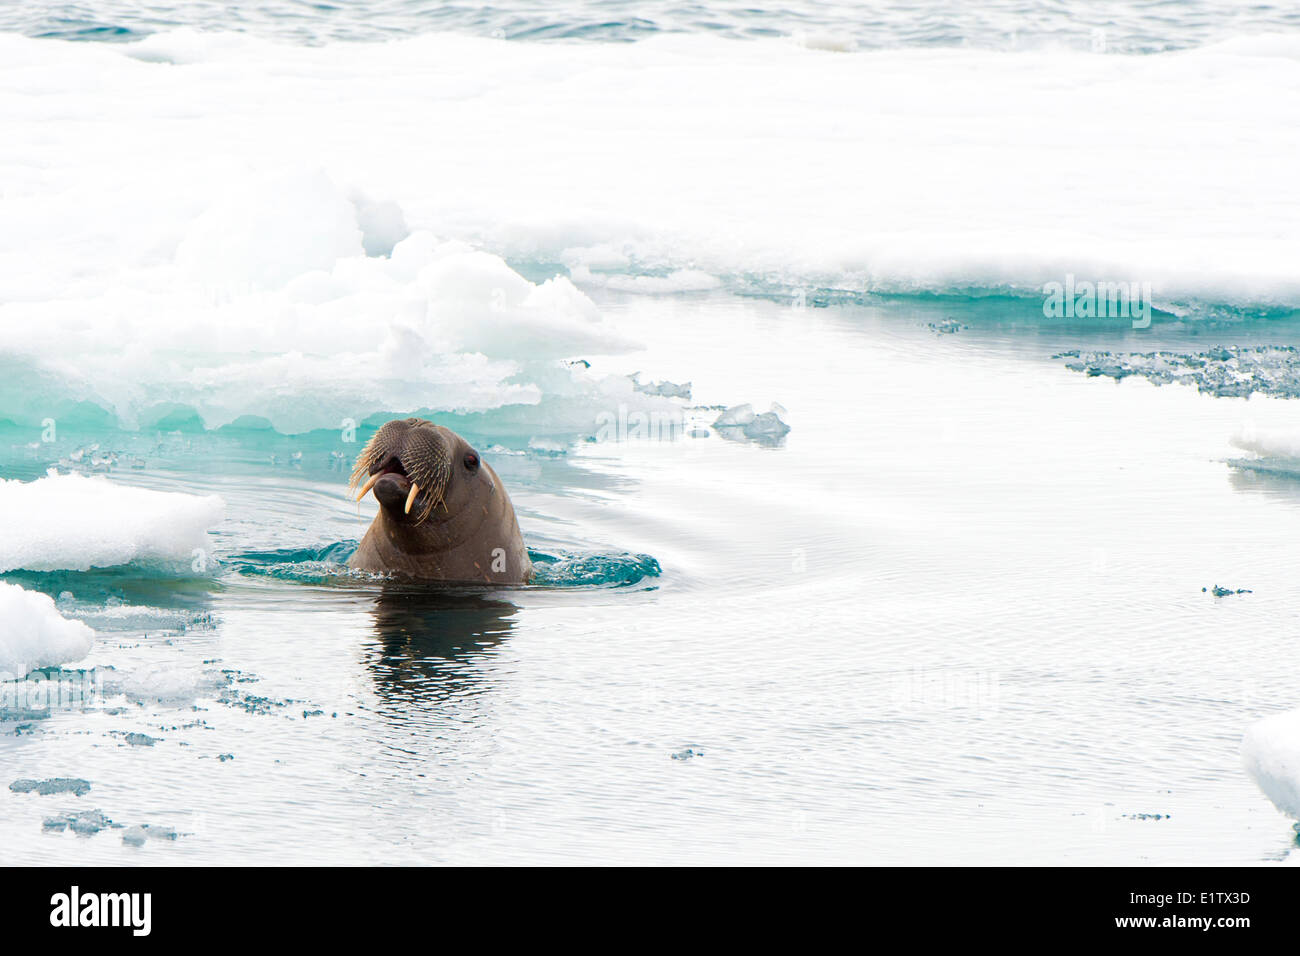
471 460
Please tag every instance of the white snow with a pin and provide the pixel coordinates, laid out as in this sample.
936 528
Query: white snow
207 220
1270 751
34 634
73 522
1268 443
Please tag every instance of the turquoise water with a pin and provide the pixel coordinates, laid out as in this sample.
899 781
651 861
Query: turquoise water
1009 590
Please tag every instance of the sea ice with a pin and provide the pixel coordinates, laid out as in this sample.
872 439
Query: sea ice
763 427
141 833
82 822
34 634
72 785
1270 751
74 522
737 416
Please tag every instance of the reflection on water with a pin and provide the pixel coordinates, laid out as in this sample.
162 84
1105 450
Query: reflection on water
1280 479
429 642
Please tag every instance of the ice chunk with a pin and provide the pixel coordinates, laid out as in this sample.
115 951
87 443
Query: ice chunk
165 684
74 523
664 389
34 634
139 834
72 785
1270 752
82 823
764 427
1268 444
735 416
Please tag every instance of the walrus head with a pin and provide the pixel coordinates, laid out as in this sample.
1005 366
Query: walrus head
413 466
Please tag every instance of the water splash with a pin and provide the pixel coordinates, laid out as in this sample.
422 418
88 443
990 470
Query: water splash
328 566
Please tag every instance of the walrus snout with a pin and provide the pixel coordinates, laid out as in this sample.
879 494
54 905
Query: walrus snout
392 490
408 467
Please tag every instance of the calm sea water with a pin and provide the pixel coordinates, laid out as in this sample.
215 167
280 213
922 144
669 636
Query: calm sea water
961 613
1142 26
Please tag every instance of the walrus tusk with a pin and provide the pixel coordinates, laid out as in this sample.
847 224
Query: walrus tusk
410 499
369 484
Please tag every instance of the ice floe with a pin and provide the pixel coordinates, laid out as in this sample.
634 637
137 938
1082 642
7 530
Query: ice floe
1270 751
75 522
34 634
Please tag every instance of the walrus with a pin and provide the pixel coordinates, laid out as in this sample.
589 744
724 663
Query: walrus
444 515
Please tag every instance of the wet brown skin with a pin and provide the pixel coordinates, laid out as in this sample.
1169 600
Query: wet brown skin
459 528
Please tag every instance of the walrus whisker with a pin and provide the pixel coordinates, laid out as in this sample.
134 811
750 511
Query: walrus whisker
410 499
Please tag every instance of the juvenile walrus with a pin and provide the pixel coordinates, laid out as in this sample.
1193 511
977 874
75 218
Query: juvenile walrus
443 513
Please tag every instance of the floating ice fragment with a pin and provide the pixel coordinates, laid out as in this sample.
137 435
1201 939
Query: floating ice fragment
72 785
1270 752
1268 444
766 427
663 389
139 834
735 416
946 327
74 523
82 823
34 634
1219 592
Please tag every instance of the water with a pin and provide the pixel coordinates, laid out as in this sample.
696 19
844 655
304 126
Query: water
962 612
1146 26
